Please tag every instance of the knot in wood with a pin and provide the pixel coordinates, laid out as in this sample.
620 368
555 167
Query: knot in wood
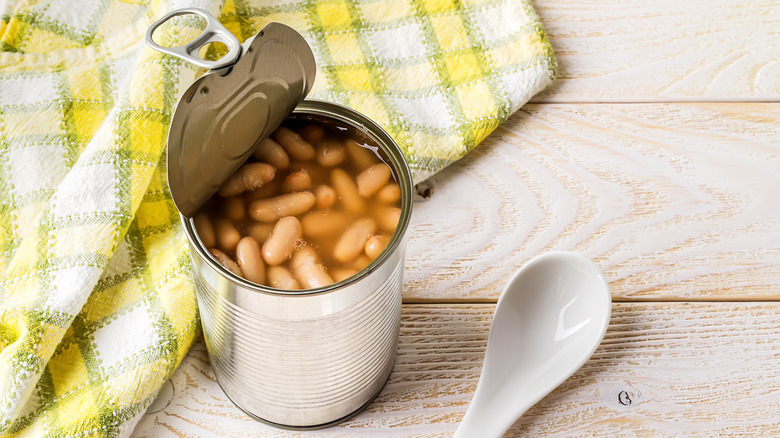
624 398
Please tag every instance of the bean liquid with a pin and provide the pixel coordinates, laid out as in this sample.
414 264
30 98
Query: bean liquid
317 202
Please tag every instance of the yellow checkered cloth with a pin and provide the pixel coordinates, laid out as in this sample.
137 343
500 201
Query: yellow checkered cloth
97 306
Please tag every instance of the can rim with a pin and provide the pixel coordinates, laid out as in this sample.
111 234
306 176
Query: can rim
385 141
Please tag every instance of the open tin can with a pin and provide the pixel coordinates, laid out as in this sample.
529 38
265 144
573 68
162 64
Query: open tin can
291 358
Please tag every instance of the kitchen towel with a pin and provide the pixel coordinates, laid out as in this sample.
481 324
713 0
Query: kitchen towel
97 306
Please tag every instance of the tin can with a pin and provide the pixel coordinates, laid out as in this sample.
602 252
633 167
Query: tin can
311 358
294 359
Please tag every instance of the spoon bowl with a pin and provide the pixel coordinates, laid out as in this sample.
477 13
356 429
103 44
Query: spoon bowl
549 320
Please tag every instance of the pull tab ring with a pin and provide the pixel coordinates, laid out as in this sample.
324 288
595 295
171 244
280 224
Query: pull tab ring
214 32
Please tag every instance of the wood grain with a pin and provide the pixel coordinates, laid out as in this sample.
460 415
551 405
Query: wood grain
664 50
663 369
675 202
671 201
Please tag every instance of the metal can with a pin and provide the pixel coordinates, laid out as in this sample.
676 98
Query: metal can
293 359
311 358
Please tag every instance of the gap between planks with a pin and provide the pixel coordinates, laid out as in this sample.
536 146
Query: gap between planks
646 101
469 301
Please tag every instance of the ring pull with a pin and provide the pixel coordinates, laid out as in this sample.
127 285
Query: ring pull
214 32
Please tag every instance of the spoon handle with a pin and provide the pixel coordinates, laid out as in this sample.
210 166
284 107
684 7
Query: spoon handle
484 421
479 429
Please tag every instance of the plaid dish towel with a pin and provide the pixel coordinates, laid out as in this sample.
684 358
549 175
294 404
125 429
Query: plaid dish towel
97 306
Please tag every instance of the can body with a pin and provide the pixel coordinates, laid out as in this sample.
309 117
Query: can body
306 359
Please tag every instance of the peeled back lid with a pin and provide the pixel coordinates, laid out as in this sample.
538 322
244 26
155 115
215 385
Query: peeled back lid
223 115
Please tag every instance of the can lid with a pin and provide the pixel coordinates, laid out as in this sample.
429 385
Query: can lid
223 115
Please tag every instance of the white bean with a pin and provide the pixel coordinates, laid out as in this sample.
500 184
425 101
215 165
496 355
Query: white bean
272 153
260 231
205 229
376 244
297 181
386 217
308 270
248 177
353 241
360 156
267 190
326 196
280 278
282 241
348 191
340 274
250 260
293 144
312 133
361 262
389 194
227 234
317 173
226 261
372 179
323 223
330 153
272 209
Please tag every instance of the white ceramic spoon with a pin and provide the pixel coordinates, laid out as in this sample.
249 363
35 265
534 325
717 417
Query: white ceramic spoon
549 320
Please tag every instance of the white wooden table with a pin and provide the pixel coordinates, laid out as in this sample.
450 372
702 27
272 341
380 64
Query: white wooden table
656 154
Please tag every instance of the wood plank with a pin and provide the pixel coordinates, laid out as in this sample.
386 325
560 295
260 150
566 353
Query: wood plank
663 369
664 50
671 201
